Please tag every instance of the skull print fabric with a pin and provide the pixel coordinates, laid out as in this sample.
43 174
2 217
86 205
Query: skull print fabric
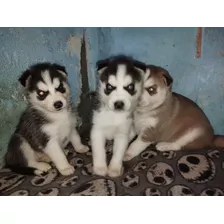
152 173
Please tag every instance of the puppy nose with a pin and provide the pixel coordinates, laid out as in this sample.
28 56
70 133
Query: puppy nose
119 105
58 104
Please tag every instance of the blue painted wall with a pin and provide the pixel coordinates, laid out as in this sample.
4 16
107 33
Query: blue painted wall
200 79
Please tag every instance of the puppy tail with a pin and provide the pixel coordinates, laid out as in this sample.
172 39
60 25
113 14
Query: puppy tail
218 141
30 171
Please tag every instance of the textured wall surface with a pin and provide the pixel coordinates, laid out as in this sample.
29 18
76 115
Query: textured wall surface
200 79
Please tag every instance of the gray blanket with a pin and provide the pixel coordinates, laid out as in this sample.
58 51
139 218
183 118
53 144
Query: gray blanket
184 173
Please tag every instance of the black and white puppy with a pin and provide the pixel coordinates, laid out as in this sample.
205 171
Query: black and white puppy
119 89
47 125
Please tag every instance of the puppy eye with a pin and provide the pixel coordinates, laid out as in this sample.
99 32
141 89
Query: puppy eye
131 87
109 87
42 94
61 88
151 90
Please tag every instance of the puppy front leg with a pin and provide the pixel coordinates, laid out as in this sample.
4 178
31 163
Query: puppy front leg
119 148
76 142
42 157
98 152
136 148
56 154
132 133
180 142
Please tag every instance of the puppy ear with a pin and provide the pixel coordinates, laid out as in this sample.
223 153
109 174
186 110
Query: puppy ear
102 65
23 79
147 74
60 69
140 66
167 78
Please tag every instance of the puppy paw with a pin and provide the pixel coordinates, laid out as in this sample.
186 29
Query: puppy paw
115 171
67 171
129 155
41 168
82 149
42 157
44 167
100 170
167 146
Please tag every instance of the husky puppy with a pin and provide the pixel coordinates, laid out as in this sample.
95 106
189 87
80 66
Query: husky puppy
169 119
119 89
47 125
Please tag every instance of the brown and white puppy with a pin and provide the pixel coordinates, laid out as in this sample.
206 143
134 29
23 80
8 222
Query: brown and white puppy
169 119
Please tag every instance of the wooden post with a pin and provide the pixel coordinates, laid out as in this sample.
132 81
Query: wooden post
198 42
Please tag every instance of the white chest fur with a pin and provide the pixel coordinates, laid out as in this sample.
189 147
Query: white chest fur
112 123
144 120
60 126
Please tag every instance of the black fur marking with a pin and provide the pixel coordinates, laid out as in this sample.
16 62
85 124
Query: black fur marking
111 66
61 88
22 170
23 78
130 89
109 89
29 130
60 68
33 119
95 100
14 156
35 73
42 94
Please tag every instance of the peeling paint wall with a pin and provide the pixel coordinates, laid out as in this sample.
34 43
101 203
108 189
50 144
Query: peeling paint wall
201 79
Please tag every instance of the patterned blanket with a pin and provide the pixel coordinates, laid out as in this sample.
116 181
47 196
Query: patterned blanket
152 173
